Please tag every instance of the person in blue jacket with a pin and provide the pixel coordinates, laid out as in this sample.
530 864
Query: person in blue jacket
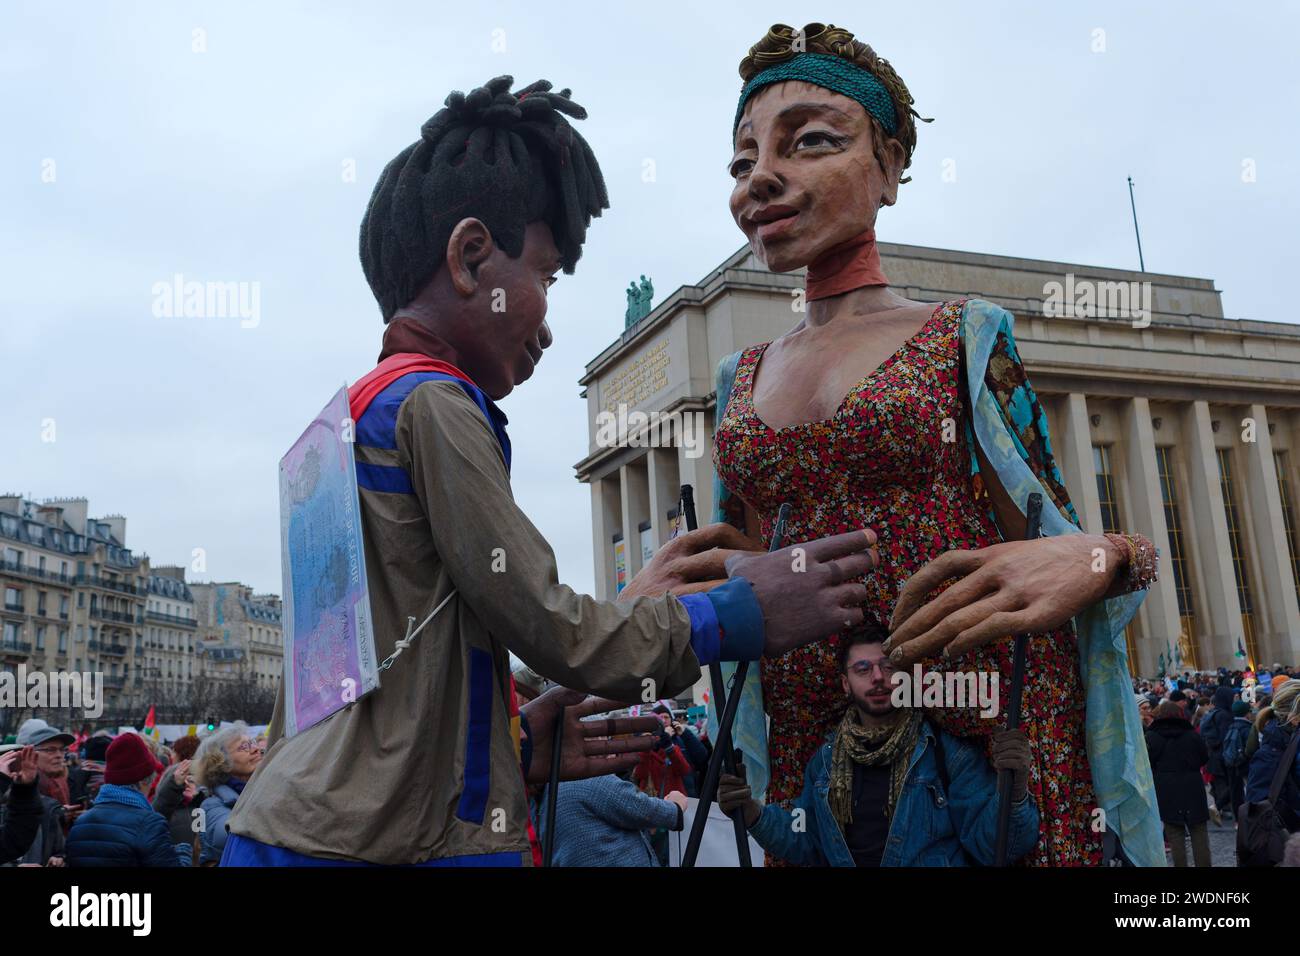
222 765
1276 723
122 828
888 788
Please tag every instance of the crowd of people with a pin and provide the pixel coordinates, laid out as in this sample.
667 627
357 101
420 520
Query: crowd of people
123 799
1215 740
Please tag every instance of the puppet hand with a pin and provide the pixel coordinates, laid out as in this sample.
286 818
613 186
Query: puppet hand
1017 587
694 561
589 748
809 591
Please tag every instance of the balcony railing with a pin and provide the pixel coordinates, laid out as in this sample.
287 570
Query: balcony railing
11 648
122 617
26 570
107 647
171 618
15 608
116 682
108 584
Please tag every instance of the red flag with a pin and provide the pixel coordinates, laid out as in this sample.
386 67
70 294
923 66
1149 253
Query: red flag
150 722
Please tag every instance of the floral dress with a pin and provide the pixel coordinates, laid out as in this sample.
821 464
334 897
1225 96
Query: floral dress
897 457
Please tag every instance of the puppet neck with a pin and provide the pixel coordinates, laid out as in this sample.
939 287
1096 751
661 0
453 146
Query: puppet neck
850 265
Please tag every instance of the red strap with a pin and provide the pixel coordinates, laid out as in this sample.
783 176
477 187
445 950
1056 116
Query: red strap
366 388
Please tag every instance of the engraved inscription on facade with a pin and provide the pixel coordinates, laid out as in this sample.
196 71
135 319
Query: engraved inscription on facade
632 385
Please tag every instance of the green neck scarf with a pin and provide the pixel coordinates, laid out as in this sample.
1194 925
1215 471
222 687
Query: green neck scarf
888 744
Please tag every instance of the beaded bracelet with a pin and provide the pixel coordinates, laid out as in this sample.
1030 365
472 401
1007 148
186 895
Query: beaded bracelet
1143 560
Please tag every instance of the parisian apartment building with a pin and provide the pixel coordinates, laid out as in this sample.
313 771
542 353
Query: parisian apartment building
76 598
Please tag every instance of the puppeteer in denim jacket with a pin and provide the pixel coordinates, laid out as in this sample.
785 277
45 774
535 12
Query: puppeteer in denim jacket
933 824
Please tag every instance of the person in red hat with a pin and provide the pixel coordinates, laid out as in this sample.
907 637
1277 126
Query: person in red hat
122 829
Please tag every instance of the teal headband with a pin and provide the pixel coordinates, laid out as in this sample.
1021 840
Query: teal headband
829 72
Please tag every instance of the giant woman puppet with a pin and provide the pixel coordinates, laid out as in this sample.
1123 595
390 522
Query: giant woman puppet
915 419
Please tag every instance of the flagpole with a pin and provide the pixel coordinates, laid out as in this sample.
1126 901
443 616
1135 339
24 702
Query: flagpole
1141 262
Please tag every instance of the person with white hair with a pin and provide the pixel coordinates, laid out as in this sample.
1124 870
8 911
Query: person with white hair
222 765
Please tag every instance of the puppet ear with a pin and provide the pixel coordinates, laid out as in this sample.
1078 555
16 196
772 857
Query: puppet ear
892 155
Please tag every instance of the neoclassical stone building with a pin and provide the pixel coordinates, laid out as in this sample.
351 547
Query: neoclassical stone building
1166 418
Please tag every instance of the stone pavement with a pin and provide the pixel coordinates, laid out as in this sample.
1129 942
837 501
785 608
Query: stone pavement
1223 845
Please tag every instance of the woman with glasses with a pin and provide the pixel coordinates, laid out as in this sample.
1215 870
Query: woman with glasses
222 765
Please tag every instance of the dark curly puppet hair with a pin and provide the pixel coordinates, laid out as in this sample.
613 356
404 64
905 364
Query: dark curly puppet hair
505 158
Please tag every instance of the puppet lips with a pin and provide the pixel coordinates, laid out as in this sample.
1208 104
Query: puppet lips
774 220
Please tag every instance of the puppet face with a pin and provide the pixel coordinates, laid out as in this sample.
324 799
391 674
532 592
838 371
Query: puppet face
509 313
806 175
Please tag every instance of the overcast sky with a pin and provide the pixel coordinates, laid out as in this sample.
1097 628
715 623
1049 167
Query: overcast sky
128 156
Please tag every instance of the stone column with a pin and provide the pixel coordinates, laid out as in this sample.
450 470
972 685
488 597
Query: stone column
664 488
1278 616
1218 608
1161 623
695 464
635 488
606 518
1075 450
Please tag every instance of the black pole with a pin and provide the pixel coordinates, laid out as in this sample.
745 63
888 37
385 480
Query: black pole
1033 525
719 695
1141 262
723 746
553 787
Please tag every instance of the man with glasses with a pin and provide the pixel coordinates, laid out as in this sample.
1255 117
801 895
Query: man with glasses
888 788
57 808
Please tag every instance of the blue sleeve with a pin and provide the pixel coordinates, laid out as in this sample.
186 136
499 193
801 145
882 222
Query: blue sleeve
157 848
775 830
620 803
973 803
726 623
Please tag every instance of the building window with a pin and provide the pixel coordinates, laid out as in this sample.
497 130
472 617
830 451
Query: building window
13 599
1238 553
1283 465
1110 525
1178 562
40 637
63 642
